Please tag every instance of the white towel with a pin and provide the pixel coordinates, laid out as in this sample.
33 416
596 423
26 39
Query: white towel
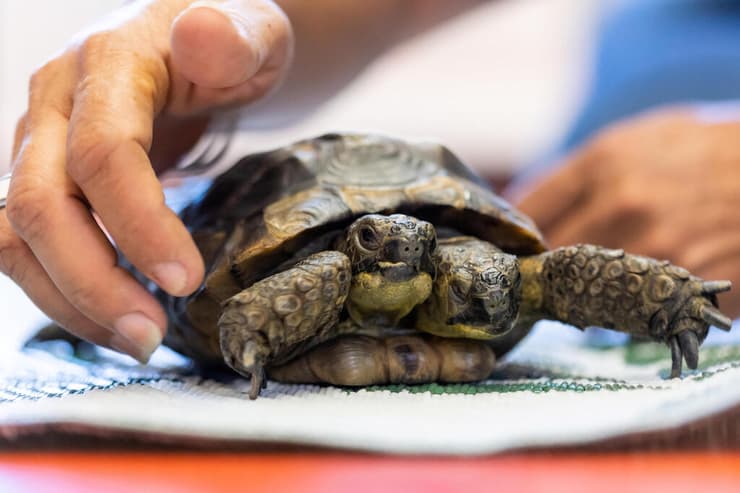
555 389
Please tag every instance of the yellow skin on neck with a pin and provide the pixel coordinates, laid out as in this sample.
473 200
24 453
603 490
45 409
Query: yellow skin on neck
375 301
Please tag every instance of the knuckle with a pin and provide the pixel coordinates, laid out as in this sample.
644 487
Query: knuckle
27 208
88 153
96 43
151 81
43 82
84 296
20 126
44 74
11 257
46 88
145 70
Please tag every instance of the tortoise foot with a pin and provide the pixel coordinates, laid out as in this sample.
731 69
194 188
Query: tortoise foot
248 358
283 314
251 364
692 321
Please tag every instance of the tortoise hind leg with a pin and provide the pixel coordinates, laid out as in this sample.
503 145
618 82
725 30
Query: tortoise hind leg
283 315
360 360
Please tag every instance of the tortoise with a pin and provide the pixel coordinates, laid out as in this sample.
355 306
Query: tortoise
354 260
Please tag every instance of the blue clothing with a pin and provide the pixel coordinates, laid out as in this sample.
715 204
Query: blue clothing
653 52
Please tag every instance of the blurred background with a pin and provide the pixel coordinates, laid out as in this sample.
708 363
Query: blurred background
510 83
499 85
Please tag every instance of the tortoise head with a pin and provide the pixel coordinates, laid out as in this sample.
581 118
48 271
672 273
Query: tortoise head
393 266
477 298
485 296
397 246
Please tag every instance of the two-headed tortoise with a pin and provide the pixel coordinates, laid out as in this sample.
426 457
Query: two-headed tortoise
360 259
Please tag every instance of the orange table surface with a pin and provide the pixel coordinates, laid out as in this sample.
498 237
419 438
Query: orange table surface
289 472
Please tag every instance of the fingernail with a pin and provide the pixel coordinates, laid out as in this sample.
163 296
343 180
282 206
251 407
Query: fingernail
136 335
206 3
222 9
244 24
171 276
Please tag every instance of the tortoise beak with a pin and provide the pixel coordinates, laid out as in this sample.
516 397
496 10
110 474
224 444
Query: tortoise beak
397 271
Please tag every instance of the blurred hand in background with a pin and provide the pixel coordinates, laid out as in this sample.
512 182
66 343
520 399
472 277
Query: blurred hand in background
665 184
662 182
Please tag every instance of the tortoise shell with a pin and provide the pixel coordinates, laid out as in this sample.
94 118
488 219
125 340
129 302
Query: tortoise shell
275 207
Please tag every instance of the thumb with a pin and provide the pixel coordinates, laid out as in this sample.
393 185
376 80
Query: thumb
222 44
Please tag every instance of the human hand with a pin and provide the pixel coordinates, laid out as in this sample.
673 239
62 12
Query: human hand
84 145
666 185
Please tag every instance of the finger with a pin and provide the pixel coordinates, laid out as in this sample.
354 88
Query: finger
107 158
558 195
232 51
686 232
721 247
46 212
601 222
18 263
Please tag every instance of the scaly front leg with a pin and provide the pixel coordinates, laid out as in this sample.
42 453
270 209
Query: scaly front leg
586 285
284 315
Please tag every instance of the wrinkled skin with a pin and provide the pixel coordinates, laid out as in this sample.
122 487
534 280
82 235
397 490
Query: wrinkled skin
119 103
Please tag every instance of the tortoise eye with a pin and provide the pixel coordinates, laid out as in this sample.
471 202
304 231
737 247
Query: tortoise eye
368 238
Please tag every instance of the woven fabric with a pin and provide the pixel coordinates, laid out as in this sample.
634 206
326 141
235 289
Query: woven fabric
557 388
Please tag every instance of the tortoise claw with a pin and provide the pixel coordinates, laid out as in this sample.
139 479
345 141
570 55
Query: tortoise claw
714 287
249 363
676 357
689 344
258 382
714 317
